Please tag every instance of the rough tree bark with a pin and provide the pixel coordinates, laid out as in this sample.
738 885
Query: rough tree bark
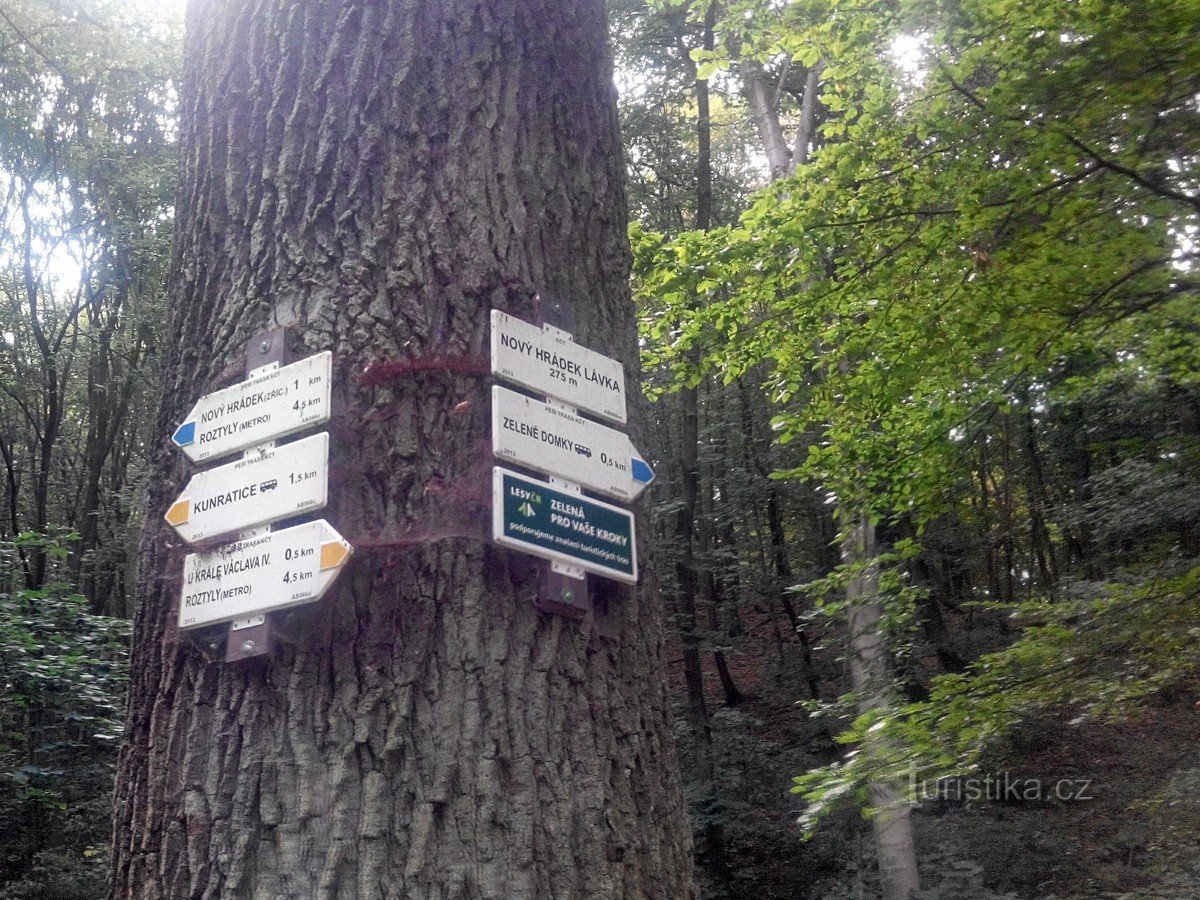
377 176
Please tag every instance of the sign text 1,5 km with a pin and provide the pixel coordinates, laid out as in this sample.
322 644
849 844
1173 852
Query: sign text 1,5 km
277 483
544 360
272 405
553 440
531 516
266 572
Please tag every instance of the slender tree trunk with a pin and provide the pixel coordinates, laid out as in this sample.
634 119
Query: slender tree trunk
687 571
870 662
377 176
870 676
806 132
765 111
763 100
1007 518
1041 547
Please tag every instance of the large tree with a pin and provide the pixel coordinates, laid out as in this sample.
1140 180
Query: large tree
376 177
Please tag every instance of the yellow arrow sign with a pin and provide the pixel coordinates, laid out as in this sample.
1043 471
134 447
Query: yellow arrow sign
334 554
179 512
262 573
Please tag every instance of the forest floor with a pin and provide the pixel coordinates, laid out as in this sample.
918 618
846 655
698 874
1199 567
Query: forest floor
1082 810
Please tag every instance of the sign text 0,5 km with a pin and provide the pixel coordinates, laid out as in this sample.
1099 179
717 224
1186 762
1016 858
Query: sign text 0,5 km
269 406
553 440
266 572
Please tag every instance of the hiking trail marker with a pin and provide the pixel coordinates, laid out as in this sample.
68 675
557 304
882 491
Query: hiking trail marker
553 440
264 487
553 520
261 574
546 360
272 405
261 570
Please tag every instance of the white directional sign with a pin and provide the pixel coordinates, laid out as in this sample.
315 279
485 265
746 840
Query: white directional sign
544 360
278 483
273 405
263 573
552 440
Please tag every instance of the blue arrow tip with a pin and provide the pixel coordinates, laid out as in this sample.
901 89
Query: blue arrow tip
185 434
641 471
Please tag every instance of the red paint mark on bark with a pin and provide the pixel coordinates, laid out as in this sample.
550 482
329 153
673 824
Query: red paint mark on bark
383 371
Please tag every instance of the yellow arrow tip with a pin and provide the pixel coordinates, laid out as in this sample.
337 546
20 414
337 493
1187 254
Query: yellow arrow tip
180 512
334 554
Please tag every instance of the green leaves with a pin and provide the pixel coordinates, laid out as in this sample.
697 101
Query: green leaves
975 246
1096 656
958 240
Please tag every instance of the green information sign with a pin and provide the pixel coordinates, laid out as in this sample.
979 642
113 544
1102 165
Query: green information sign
530 515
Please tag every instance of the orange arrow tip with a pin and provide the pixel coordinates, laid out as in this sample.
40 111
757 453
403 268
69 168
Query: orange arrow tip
179 512
334 554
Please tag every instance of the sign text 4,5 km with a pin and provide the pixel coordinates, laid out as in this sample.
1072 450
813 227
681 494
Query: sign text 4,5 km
269 571
261 409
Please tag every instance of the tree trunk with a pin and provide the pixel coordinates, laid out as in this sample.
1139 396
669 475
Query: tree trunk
687 570
870 665
376 177
870 675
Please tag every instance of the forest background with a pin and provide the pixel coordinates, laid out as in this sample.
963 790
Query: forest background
916 283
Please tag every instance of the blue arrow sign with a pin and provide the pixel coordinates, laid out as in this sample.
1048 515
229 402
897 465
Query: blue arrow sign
642 471
184 434
269 406
556 441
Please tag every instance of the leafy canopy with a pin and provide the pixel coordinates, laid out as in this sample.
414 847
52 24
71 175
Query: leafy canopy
1008 228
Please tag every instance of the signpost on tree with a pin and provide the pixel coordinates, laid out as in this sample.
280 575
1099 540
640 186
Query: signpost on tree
261 574
269 484
552 439
427 729
558 525
264 570
547 360
554 520
271 406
